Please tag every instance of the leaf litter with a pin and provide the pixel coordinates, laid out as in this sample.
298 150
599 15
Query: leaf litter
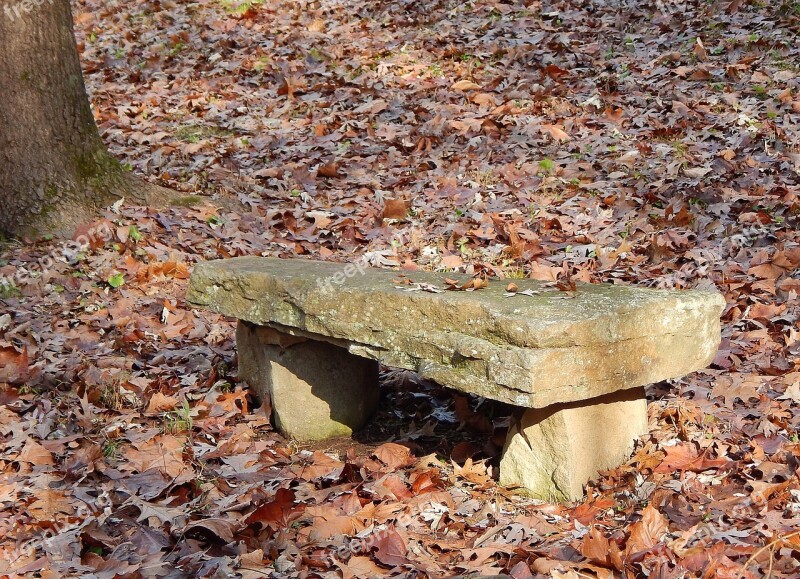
653 143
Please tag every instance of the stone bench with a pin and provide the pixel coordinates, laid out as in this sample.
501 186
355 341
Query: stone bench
311 335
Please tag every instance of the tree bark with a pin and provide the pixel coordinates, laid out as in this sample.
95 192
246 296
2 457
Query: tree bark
55 170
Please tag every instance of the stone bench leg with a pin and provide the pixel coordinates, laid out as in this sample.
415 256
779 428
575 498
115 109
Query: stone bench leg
318 390
552 452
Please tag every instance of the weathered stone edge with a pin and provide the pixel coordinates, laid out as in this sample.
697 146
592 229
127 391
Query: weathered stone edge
643 311
508 373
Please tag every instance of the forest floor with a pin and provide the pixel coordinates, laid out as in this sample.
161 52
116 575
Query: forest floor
633 142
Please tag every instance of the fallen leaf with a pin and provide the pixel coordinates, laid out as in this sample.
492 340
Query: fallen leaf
464 85
14 365
279 512
35 454
160 403
452 261
390 548
395 209
222 528
359 567
394 455
49 505
648 532
684 457
792 393
555 132
329 170
163 452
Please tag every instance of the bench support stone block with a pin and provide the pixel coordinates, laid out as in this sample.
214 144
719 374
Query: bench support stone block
317 390
553 451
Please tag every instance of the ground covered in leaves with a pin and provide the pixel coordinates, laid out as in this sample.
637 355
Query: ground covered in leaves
625 142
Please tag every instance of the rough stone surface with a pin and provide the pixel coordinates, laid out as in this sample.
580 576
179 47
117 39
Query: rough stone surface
528 351
552 452
317 390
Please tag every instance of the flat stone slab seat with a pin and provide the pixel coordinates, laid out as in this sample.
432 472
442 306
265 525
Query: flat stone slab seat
311 335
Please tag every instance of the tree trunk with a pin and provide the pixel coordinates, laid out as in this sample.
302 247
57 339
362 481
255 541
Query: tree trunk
54 168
